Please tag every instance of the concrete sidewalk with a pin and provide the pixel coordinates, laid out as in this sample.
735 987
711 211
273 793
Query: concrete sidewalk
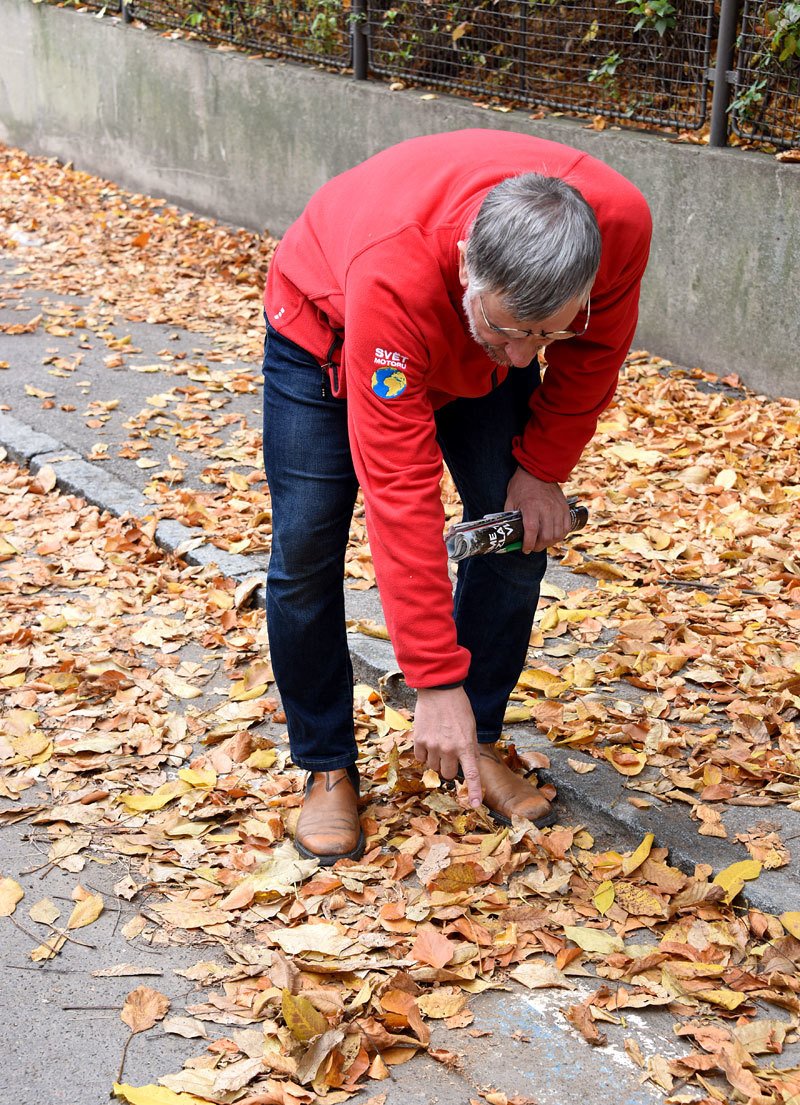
61 1017
70 395
73 394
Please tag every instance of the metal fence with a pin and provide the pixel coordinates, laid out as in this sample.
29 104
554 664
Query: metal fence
603 58
634 61
766 104
309 30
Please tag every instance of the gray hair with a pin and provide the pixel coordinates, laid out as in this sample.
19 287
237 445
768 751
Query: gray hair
536 244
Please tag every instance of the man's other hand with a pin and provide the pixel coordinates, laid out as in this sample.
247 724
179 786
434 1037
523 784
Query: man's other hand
545 511
445 737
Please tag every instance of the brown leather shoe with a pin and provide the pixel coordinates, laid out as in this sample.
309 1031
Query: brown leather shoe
328 828
507 795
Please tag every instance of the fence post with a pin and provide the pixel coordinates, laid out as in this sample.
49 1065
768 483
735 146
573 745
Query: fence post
358 33
728 21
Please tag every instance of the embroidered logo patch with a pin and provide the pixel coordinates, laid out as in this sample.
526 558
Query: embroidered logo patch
388 383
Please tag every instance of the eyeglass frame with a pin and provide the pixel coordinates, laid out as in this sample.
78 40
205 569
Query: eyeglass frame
547 336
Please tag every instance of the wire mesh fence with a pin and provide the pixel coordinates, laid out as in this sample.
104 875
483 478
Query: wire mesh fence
766 104
645 62
310 30
638 61
111 7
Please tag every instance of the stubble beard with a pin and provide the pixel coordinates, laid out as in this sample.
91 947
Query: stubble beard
492 352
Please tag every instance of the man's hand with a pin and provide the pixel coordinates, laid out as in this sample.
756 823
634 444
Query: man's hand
545 511
445 736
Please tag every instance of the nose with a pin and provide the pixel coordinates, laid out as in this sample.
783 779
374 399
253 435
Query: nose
521 352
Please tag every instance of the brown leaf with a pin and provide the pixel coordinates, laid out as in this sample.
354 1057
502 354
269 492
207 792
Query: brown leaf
143 1008
580 1016
432 947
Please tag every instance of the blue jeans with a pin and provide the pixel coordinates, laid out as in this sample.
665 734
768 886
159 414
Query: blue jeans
313 488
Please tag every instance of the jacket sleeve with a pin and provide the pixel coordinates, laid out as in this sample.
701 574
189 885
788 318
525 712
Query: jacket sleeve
397 459
582 373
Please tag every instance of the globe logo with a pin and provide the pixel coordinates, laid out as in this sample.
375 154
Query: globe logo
388 383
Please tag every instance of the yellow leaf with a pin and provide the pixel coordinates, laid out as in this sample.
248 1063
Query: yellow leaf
61 680
638 901
633 453
179 687
302 1019
593 940
791 922
600 569
637 858
10 893
155 1095
242 692
262 759
32 746
86 911
395 720
604 897
514 714
733 878
536 679
725 479
48 950
204 778
627 761
143 803
728 999
372 629
7 550
582 672
238 482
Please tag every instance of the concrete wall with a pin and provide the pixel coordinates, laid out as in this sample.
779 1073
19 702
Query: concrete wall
249 140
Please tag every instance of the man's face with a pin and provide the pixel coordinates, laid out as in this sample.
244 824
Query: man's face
486 313
487 318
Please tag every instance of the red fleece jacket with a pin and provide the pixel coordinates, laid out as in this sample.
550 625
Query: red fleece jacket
373 258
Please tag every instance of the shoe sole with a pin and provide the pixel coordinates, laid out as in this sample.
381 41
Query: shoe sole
543 822
328 860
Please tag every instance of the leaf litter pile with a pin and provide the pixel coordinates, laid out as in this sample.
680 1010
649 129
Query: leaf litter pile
138 711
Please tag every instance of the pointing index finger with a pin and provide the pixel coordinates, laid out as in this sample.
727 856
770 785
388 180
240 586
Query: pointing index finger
472 776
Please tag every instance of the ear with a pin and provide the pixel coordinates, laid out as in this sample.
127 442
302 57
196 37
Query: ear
462 264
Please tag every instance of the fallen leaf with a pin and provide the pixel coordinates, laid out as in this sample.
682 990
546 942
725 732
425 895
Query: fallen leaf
154 1095
604 897
87 909
733 878
432 947
10 894
627 761
143 1008
636 859
537 974
595 941
302 1019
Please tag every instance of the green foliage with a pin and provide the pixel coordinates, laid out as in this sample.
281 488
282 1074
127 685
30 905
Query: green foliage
784 23
656 15
778 53
605 73
325 28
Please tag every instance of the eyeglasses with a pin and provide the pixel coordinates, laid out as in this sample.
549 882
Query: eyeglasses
552 335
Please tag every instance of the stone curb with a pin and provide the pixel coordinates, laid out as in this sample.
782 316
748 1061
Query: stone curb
597 800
